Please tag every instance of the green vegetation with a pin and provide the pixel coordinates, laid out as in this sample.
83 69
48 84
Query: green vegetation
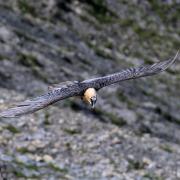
29 60
57 168
166 148
167 116
149 34
33 167
144 33
25 36
26 8
2 57
22 175
32 62
150 176
99 50
110 116
19 174
108 44
46 118
72 131
23 150
21 165
125 99
100 11
12 129
116 120
27 166
137 165
166 11
126 22
154 37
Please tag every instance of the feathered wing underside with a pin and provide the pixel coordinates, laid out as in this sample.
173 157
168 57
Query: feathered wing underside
40 102
131 73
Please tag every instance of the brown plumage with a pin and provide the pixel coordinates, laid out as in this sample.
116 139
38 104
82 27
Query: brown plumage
87 89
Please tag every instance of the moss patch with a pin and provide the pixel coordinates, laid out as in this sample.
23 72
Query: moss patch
32 62
29 60
23 150
136 165
125 99
150 176
167 116
72 131
26 8
99 10
100 51
27 166
19 174
12 129
46 118
166 148
167 12
57 168
110 116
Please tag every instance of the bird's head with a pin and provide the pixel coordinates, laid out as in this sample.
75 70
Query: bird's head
90 96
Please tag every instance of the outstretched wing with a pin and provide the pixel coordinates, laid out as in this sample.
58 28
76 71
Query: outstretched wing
40 102
77 88
130 73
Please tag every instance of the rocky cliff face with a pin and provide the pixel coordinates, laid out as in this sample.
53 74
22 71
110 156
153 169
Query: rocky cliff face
133 133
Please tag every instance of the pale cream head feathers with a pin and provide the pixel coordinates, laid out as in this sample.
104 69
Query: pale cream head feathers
90 96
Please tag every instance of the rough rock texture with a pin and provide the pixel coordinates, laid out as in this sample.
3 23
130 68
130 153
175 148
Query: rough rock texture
133 133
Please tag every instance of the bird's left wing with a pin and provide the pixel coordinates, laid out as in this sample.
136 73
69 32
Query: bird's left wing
130 73
40 102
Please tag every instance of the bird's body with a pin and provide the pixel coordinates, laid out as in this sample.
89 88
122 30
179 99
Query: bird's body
86 89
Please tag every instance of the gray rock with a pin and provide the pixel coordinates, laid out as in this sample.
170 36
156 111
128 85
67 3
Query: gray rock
133 133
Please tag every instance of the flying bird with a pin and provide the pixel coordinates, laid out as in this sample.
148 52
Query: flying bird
86 89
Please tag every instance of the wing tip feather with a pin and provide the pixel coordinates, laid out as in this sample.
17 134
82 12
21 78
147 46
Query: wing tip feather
174 58
7 114
165 64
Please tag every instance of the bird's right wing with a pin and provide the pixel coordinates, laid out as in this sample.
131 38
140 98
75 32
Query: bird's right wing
40 102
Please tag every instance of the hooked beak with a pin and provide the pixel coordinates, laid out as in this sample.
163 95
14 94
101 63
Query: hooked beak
93 102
